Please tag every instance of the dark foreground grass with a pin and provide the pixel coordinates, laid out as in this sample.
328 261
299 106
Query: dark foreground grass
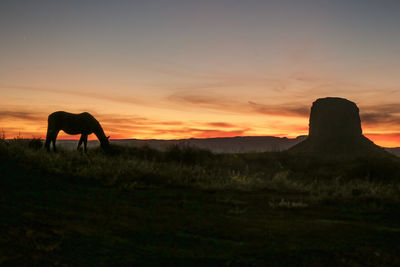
129 168
151 208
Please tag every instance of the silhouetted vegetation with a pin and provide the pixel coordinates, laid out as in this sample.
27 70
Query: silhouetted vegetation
187 166
141 206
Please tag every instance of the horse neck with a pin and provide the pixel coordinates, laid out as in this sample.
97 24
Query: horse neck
100 134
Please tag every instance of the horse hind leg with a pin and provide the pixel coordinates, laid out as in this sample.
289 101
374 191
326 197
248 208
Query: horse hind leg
80 142
48 141
84 139
50 137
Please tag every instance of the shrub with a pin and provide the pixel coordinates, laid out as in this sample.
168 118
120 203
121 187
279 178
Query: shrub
35 143
188 155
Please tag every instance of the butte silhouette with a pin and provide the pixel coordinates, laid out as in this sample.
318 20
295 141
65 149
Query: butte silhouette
335 131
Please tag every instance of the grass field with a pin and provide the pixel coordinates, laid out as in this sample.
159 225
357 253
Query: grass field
187 206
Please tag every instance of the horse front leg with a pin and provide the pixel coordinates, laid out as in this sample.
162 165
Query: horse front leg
53 139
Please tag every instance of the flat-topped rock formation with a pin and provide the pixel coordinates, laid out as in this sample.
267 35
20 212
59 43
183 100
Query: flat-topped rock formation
334 117
335 130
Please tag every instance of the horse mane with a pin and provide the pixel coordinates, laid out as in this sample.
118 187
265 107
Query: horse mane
99 132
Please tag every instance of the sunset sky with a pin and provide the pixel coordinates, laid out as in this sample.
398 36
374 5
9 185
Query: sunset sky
179 69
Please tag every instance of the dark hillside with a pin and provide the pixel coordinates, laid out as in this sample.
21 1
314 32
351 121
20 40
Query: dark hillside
239 144
142 208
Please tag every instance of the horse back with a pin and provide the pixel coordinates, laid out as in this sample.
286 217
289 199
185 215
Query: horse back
83 123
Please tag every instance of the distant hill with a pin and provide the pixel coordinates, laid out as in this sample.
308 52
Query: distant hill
240 144
393 150
217 145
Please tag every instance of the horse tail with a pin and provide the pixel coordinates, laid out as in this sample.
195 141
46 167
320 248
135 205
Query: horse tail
50 126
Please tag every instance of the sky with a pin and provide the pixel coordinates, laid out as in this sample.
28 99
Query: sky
180 69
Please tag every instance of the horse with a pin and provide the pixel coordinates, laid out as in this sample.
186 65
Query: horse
83 124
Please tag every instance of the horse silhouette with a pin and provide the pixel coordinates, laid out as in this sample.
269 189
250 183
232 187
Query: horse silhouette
83 124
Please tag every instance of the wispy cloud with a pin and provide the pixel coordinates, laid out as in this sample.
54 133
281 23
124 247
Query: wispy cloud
212 101
221 124
123 126
109 97
222 103
381 115
291 110
21 115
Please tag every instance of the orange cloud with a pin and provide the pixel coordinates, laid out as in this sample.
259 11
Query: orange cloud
205 101
220 124
381 115
291 110
224 104
20 115
109 97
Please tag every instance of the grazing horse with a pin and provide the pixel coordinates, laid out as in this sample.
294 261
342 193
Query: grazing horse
82 123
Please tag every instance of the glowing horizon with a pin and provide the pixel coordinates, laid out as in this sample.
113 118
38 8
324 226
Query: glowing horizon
182 69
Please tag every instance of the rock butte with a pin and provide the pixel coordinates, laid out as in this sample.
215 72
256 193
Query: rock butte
334 117
335 129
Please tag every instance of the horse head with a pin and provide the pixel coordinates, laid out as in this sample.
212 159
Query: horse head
105 143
